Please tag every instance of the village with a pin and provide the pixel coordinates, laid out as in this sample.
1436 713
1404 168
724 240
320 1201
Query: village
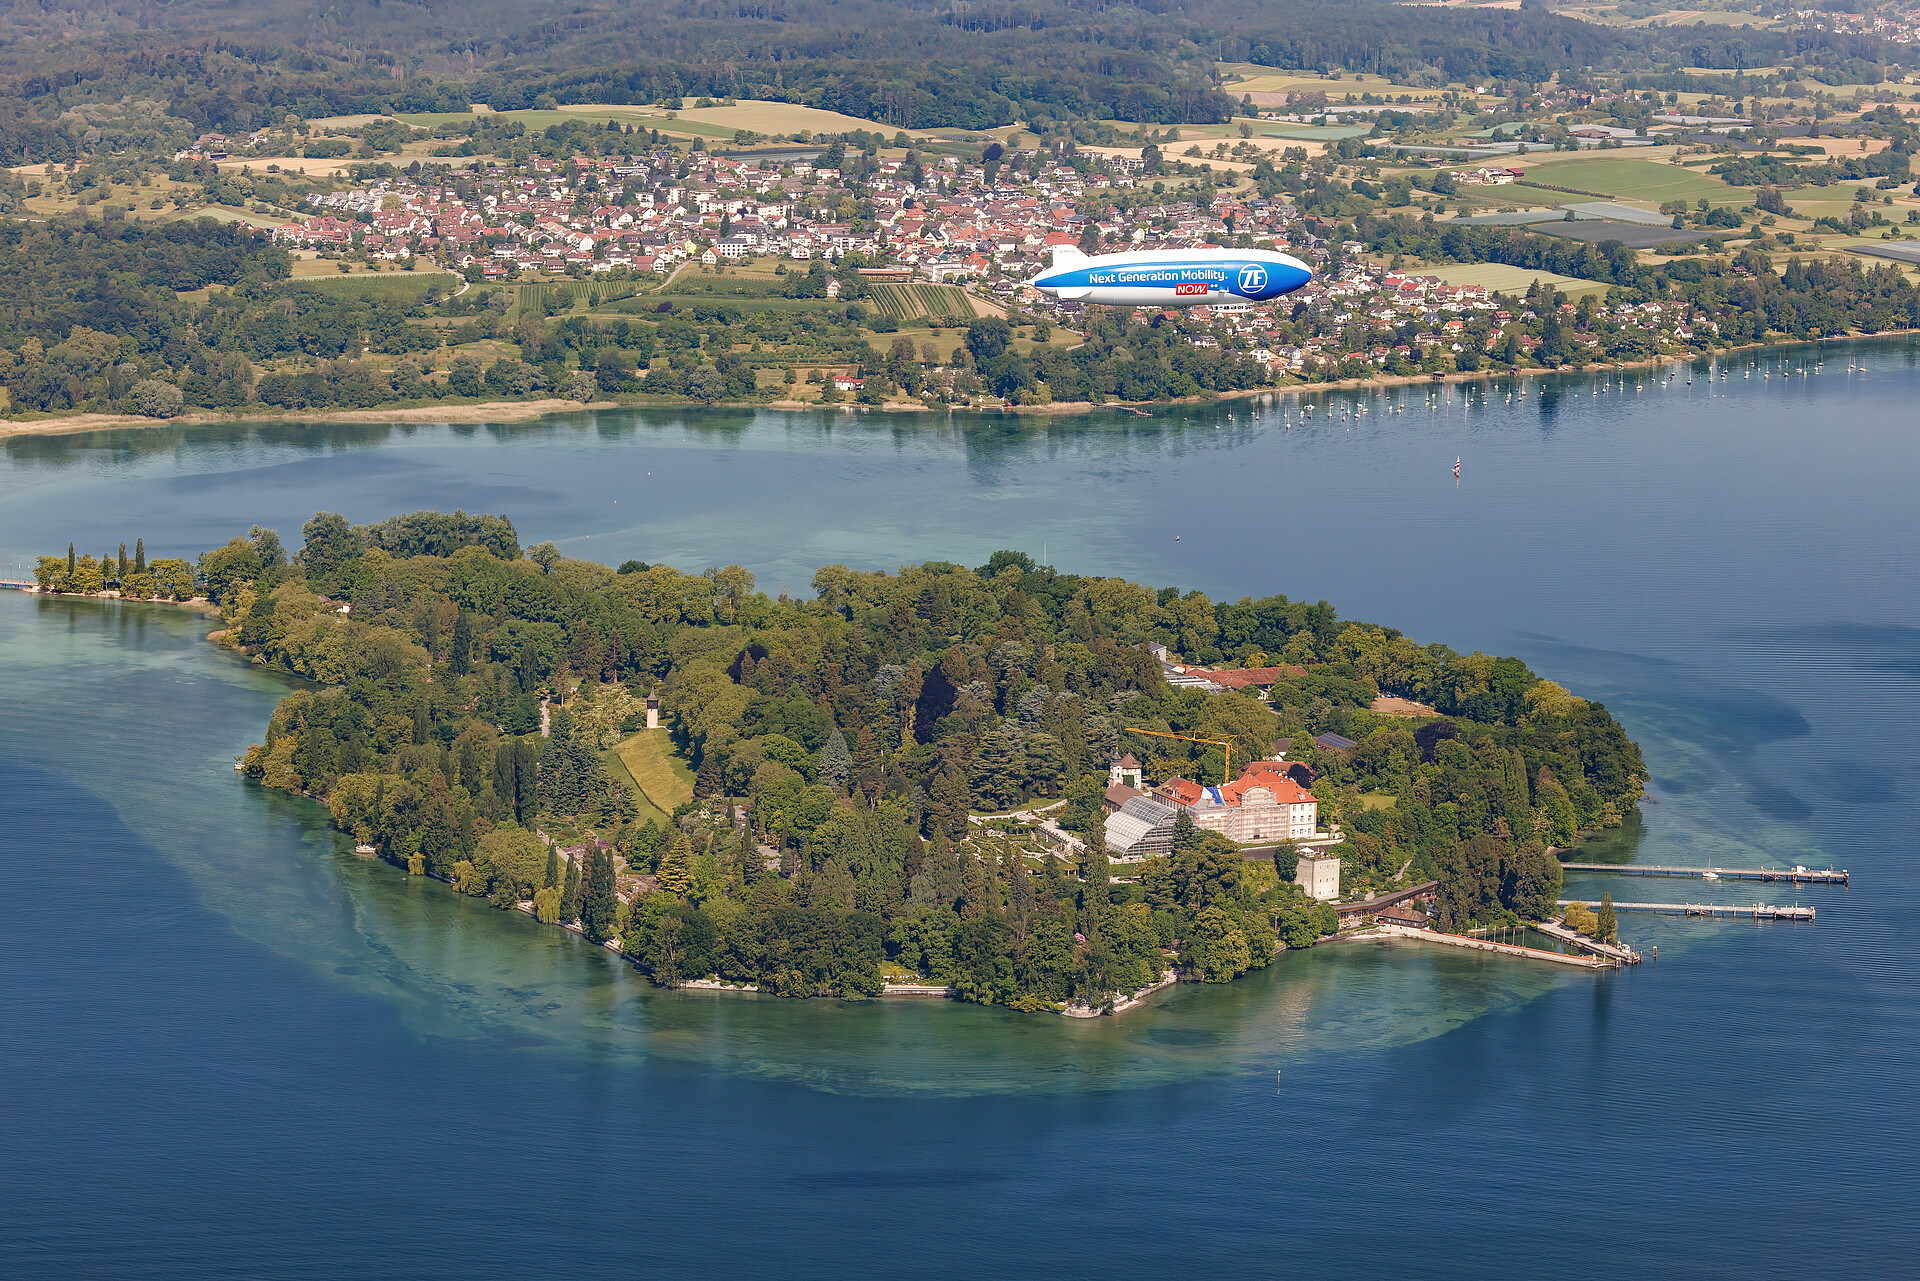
949 222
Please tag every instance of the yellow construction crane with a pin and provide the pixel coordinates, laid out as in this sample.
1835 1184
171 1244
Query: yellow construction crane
1189 738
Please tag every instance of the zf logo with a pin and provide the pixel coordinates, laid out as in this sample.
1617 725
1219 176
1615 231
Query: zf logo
1252 280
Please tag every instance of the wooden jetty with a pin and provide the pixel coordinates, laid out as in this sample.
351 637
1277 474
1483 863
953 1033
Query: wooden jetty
1794 875
1758 911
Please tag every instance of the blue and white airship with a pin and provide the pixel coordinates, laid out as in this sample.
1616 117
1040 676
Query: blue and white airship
1171 277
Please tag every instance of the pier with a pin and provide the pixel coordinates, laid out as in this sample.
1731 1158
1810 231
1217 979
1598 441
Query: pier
1488 945
1615 951
1795 875
1758 911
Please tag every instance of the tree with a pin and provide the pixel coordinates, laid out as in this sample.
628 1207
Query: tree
545 555
673 873
597 909
155 399
836 762
328 543
1605 927
460 653
553 868
139 555
1185 836
706 384
1286 861
570 893
988 337
1216 948
1530 883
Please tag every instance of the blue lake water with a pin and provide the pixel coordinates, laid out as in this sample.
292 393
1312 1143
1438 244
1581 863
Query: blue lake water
232 1049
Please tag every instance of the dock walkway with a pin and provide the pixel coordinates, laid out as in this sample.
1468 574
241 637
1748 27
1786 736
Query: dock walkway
1616 951
1758 911
1793 875
1504 949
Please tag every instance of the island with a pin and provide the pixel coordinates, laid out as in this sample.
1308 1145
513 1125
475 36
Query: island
1004 783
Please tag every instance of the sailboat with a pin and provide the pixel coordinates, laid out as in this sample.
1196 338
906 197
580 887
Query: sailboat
1456 469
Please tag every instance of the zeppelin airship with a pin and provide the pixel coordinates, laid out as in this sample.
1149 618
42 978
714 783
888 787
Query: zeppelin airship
1171 277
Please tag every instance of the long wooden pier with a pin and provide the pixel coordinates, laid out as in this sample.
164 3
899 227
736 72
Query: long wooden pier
1794 875
1758 911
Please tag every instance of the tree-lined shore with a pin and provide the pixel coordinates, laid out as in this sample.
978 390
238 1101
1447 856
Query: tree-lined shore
850 750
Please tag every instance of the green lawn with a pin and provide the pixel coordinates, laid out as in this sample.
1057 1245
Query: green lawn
660 774
1628 178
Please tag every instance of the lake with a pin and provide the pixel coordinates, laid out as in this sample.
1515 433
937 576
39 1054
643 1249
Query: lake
233 1049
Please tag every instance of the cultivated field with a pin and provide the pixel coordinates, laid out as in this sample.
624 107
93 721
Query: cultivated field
1259 81
719 123
400 286
1630 178
908 301
1508 280
574 294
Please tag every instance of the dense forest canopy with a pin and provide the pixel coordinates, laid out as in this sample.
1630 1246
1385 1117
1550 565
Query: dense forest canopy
127 67
847 747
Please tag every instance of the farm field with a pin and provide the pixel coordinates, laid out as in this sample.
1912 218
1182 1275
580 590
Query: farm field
911 300
1821 202
399 286
696 122
757 115
305 165
225 213
1651 181
1266 80
1509 280
536 118
745 302
576 293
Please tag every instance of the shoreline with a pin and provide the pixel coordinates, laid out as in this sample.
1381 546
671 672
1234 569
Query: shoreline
512 411
198 604
489 411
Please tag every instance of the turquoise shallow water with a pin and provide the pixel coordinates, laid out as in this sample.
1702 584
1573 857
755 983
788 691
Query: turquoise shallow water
236 1049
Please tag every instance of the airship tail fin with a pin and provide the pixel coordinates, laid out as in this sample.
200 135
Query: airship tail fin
1065 254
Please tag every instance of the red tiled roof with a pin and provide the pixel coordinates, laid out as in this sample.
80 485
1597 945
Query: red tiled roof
1271 775
1241 677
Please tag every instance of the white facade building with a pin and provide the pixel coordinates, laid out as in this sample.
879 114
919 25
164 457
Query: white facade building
1319 876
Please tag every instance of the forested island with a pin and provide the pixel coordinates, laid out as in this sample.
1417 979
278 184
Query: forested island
477 712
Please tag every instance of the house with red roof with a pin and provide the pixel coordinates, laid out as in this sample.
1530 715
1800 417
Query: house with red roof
1264 804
